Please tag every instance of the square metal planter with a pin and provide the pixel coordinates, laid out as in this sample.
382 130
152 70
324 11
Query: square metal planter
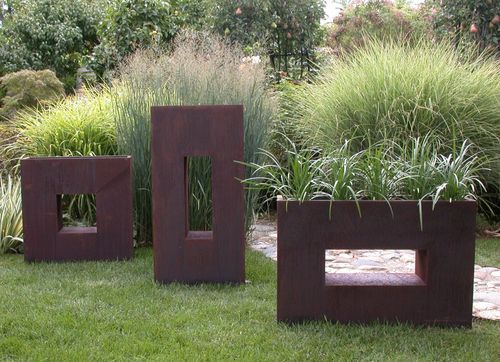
180 254
45 179
438 293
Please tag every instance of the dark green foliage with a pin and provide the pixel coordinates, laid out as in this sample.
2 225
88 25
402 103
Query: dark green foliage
376 19
246 22
53 34
287 29
28 88
467 21
133 24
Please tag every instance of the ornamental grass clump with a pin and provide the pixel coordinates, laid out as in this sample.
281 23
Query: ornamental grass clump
11 221
391 91
76 126
201 69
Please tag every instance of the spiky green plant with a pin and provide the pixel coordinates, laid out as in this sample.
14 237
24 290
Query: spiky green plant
375 174
456 175
340 177
11 221
379 173
200 193
420 160
298 178
76 126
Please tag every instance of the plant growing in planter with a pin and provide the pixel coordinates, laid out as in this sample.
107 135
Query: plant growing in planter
423 201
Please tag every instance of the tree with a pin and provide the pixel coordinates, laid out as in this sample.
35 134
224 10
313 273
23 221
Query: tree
133 24
288 29
379 19
49 34
467 21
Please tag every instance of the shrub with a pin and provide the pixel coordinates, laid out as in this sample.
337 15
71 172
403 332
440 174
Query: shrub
378 19
202 69
76 126
51 34
393 91
28 88
11 222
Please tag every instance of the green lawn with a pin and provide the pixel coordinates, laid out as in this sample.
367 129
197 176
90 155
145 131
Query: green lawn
114 311
488 252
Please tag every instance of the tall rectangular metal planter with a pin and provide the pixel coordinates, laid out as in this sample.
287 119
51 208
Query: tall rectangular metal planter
45 179
438 293
180 254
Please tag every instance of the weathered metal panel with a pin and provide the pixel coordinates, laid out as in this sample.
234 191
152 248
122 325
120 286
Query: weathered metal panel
440 291
44 179
182 255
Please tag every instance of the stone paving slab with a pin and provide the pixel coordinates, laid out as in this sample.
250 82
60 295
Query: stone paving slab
486 279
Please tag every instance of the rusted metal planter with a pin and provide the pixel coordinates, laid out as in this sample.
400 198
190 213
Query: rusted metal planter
438 293
45 179
190 256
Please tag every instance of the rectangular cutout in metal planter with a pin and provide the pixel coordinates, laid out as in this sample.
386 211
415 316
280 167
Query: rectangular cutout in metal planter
439 292
180 254
45 179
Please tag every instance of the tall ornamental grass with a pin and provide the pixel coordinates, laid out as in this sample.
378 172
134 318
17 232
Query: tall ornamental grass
389 91
11 221
77 126
201 69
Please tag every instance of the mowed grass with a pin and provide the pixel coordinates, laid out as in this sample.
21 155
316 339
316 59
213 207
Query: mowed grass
488 252
114 311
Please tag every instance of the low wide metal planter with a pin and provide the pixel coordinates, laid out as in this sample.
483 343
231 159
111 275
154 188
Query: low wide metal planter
439 292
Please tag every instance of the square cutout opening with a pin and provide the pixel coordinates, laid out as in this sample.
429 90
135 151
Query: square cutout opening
77 213
199 206
374 267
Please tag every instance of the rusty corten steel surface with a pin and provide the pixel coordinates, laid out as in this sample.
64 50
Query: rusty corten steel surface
439 293
45 179
181 255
